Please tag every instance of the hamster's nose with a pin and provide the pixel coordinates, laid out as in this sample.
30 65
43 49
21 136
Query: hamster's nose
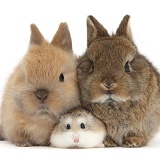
42 94
76 138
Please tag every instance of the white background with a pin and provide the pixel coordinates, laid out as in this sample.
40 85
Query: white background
15 19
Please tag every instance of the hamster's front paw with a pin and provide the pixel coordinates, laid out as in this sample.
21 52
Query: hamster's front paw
134 142
74 147
100 146
108 142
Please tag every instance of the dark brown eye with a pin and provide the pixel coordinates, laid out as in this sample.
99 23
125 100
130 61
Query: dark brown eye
61 77
92 68
127 67
68 126
82 126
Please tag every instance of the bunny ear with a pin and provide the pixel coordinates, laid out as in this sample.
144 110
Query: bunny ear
36 36
94 30
62 38
124 28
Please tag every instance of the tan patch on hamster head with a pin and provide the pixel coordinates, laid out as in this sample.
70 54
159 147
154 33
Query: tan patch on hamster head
111 68
49 67
78 119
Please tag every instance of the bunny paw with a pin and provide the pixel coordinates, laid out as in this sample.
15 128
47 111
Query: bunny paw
108 142
23 144
134 142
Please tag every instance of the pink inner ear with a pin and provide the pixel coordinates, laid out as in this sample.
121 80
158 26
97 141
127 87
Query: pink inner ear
124 28
94 30
62 38
36 36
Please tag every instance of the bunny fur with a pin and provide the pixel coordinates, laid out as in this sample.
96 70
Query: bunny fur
119 85
42 87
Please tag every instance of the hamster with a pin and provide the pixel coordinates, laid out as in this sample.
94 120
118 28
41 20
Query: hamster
119 85
42 87
78 129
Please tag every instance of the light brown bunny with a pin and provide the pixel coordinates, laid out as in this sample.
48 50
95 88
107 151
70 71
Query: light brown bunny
42 87
1 134
119 85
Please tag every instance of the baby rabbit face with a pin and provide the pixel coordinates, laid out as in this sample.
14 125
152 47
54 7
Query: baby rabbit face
48 81
111 69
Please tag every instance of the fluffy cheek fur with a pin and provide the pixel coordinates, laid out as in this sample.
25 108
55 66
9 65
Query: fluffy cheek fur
31 105
62 95
87 139
141 82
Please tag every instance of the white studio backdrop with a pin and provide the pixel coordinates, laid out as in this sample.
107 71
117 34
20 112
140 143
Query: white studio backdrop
17 15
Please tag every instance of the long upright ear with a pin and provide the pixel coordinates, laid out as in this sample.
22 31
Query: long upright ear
94 30
36 36
124 28
62 38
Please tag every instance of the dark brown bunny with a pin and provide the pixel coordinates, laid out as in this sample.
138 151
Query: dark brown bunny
119 85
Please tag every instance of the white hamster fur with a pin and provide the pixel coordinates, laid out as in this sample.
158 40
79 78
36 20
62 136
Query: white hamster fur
78 129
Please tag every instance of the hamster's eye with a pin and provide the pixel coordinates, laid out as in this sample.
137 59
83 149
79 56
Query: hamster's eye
61 77
83 126
127 67
68 126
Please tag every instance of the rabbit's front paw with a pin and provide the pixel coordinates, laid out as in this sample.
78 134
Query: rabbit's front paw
134 142
23 144
108 142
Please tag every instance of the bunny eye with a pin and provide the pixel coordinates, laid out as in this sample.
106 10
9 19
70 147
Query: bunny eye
127 67
91 69
83 126
61 77
68 126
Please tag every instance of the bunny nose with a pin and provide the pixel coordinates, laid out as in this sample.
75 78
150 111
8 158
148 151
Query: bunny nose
41 94
109 86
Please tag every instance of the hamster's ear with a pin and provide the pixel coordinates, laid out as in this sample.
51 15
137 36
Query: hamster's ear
62 38
124 28
36 36
90 116
61 119
94 30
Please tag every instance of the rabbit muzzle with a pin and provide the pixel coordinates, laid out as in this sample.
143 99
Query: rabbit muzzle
42 95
